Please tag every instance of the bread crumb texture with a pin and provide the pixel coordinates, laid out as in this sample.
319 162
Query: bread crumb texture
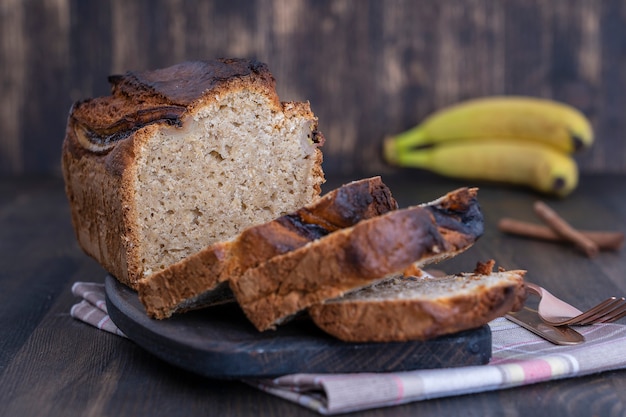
425 287
237 162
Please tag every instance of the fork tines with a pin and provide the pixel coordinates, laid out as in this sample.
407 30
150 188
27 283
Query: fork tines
608 311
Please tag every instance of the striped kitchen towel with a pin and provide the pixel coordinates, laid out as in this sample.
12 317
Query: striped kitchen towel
518 358
92 309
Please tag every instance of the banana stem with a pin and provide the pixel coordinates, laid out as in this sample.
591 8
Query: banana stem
411 138
390 153
394 147
414 159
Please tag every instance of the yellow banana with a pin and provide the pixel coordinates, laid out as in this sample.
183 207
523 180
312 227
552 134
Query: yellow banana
506 117
513 162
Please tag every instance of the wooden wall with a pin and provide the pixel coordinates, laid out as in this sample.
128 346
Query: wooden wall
368 67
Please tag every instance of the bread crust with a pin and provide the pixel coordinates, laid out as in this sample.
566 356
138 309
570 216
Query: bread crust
402 319
104 136
174 289
357 256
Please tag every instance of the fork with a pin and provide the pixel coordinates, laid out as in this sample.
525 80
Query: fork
557 312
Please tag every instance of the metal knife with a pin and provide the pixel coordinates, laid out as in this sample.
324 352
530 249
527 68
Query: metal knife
559 335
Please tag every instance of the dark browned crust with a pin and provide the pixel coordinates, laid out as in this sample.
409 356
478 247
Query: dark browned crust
458 215
161 96
484 268
183 84
102 138
104 134
353 257
397 320
98 215
175 288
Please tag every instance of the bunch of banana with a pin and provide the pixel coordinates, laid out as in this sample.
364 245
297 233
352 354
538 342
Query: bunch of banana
516 140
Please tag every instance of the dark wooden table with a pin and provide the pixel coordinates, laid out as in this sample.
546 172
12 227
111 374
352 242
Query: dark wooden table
53 365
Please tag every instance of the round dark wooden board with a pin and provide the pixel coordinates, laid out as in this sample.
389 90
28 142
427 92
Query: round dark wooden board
219 342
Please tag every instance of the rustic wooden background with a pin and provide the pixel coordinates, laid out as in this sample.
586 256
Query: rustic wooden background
368 67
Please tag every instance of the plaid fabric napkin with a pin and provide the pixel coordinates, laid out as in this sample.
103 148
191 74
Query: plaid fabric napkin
518 358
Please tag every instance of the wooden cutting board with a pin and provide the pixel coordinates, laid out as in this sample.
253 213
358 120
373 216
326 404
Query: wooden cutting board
219 342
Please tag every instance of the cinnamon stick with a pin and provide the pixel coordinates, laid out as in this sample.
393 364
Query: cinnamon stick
606 240
564 229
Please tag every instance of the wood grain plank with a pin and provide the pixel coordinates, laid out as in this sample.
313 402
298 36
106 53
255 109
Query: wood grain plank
368 68
13 80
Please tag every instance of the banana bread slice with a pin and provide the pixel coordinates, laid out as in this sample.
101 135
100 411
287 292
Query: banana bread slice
420 308
354 257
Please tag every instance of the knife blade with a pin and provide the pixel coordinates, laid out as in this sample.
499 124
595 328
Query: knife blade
530 320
